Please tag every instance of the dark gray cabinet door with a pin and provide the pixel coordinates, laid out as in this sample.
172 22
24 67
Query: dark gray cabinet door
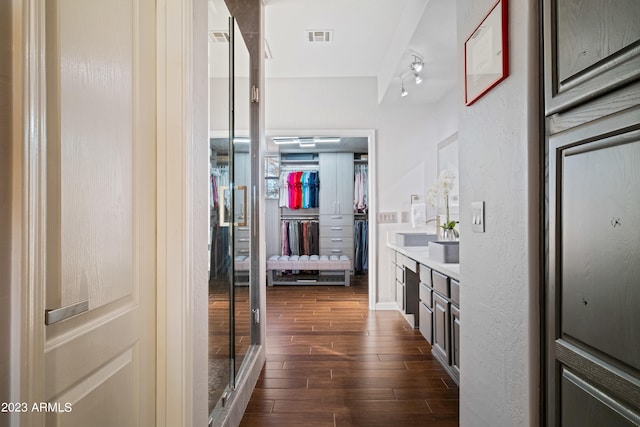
440 346
592 289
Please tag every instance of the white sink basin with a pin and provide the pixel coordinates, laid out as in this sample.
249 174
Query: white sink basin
446 252
414 239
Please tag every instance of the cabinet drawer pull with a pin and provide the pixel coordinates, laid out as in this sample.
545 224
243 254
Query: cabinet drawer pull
336 228
336 240
336 251
336 216
243 240
243 251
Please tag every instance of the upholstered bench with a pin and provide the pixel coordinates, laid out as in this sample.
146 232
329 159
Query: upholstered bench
332 270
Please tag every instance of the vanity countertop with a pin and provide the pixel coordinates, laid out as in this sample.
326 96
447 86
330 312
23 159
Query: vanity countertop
421 255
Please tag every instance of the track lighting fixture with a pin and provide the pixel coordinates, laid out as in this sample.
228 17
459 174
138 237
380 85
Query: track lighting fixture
415 67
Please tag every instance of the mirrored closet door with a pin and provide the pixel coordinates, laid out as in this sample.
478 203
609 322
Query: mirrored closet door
230 337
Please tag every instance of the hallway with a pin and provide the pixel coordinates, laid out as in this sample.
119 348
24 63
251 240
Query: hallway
332 362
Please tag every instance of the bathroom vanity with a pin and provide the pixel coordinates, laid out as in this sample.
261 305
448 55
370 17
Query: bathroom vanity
427 293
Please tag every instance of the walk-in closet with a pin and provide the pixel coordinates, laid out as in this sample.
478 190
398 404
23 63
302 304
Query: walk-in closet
317 205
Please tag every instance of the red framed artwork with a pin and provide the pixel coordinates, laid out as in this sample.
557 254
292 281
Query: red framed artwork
486 54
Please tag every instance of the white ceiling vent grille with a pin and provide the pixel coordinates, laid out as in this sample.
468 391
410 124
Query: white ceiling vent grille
219 36
315 36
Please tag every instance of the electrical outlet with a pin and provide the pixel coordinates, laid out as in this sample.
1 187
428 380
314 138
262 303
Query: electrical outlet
477 217
387 217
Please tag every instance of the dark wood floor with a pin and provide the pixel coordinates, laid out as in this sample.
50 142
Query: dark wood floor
332 362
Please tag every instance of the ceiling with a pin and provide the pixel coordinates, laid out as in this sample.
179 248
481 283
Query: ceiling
369 38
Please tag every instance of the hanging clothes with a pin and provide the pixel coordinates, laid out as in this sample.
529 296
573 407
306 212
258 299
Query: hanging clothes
300 237
299 190
361 242
283 182
360 187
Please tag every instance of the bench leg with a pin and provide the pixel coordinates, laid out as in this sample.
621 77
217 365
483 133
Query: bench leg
347 278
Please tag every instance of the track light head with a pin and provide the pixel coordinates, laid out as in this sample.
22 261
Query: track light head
417 64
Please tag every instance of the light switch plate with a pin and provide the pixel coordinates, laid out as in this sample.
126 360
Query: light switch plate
477 217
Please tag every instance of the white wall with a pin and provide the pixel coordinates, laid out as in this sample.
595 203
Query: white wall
406 136
498 137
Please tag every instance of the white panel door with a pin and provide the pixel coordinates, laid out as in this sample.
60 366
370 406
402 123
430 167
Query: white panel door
101 211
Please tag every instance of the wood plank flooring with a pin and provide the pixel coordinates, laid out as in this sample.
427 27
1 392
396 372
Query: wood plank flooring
332 362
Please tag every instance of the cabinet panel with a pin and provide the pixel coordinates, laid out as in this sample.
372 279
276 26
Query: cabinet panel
328 183
426 323
586 405
441 327
591 47
344 183
600 292
455 340
400 295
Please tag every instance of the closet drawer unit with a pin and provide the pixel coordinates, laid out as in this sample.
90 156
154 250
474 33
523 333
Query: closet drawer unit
425 275
440 283
455 292
399 273
336 231
425 295
331 220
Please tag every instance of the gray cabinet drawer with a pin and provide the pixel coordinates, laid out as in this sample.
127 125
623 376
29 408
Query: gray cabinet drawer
455 292
409 263
336 231
335 220
440 283
426 323
425 275
425 295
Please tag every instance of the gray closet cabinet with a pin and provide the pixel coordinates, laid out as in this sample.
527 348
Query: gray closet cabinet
336 203
592 282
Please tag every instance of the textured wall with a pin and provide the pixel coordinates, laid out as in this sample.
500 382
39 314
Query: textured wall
498 137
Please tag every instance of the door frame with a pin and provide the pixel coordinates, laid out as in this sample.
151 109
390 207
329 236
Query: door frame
370 134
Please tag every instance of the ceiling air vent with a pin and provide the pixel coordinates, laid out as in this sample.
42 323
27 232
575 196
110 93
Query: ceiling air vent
314 36
219 36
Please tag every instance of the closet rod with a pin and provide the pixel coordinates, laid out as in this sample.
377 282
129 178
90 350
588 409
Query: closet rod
299 168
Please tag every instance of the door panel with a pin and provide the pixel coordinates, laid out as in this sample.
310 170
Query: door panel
101 211
592 76
591 47
600 250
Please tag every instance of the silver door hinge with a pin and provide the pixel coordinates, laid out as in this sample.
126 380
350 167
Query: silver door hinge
255 94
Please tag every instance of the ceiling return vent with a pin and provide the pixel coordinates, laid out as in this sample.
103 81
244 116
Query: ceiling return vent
315 36
219 36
